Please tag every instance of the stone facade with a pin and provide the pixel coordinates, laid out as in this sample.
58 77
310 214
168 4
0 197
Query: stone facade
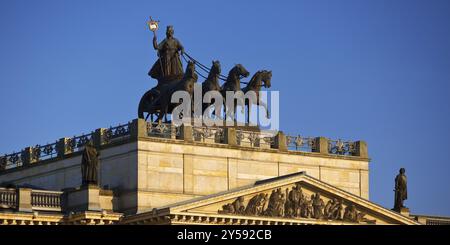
149 167
162 174
192 170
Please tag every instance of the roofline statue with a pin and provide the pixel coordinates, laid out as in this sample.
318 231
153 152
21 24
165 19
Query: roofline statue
89 164
401 192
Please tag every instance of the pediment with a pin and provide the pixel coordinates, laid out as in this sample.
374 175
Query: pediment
294 197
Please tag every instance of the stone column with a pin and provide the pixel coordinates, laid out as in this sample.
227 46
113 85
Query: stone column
321 145
230 136
186 133
27 156
62 147
280 141
24 200
138 128
3 162
173 132
98 137
361 149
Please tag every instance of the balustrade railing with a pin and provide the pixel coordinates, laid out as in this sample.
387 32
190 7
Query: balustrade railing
116 133
77 143
39 200
8 198
340 147
11 160
162 130
208 134
64 146
46 200
44 152
202 134
255 139
300 143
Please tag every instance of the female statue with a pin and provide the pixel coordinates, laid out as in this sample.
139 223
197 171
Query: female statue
168 66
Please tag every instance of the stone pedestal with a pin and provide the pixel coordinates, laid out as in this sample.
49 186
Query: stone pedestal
321 145
230 136
361 149
186 133
403 211
280 142
24 202
84 198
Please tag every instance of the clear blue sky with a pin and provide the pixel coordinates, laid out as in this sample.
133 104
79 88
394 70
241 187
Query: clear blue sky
372 70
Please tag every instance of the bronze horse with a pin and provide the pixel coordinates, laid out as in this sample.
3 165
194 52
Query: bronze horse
233 83
211 83
255 84
186 84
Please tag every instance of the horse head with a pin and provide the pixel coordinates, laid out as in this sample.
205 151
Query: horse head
216 68
266 77
190 70
260 78
240 70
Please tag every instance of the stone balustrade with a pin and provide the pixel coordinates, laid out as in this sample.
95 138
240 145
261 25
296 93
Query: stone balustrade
46 200
8 198
25 199
72 199
138 128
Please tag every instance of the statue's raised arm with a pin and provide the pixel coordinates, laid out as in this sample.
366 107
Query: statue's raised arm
155 41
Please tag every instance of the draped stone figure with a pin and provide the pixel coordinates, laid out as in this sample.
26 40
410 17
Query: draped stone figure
350 213
256 204
275 207
89 165
168 67
306 209
293 201
236 207
336 210
401 192
318 206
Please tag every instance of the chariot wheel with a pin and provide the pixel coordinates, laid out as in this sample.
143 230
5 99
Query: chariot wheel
147 105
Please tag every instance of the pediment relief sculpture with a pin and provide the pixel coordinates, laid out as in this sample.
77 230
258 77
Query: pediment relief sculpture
294 202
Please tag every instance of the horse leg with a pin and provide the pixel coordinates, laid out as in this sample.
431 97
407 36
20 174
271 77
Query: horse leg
249 110
160 117
162 113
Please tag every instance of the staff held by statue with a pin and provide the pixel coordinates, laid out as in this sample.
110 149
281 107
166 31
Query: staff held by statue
153 25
